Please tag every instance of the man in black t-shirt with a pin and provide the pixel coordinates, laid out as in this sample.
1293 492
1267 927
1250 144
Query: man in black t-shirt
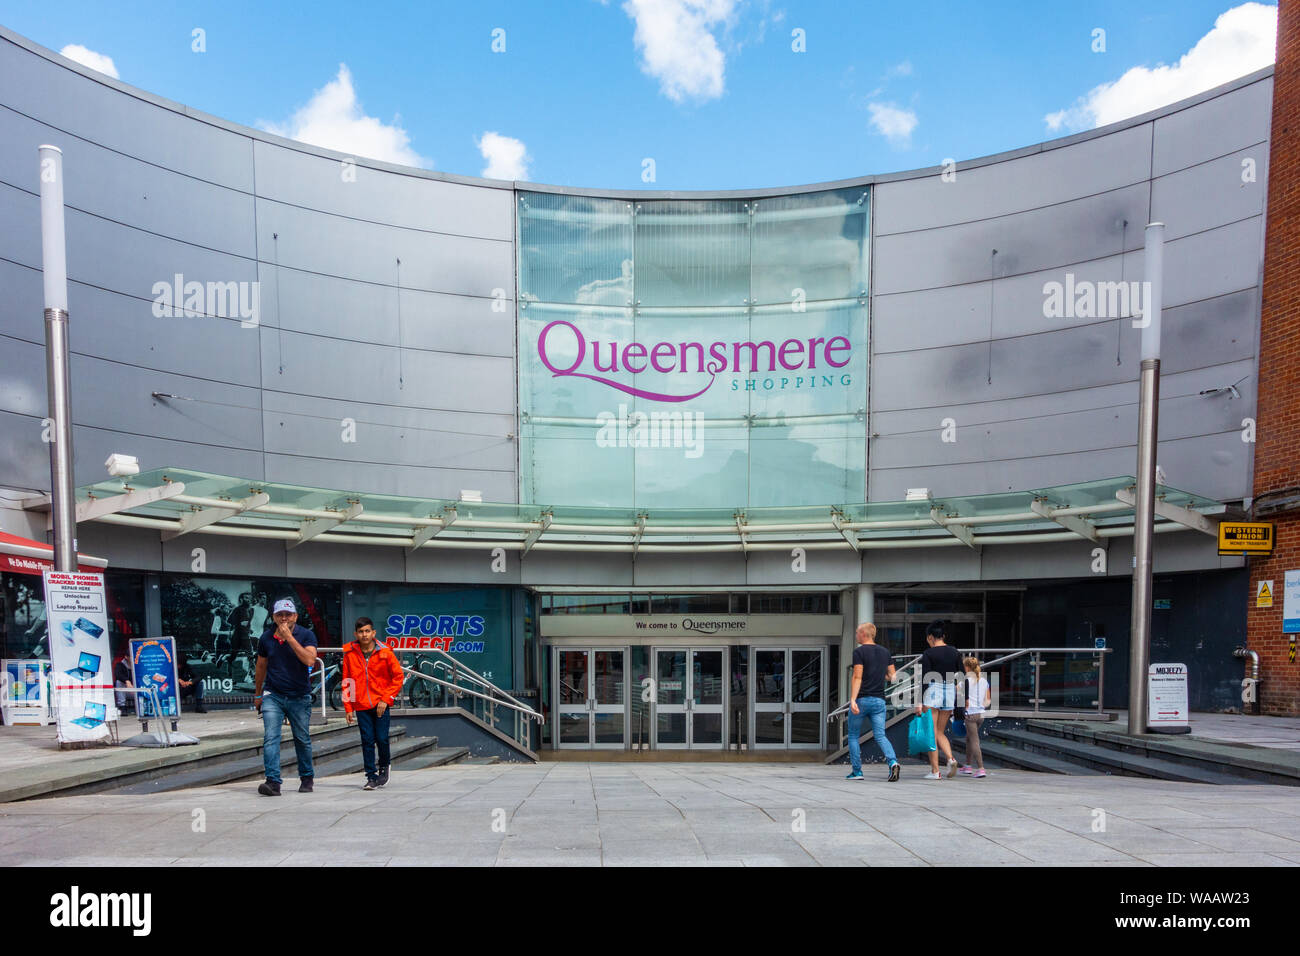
872 669
940 668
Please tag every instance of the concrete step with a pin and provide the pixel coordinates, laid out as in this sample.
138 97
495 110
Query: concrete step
349 761
435 757
246 764
481 761
1247 763
1001 755
1108 761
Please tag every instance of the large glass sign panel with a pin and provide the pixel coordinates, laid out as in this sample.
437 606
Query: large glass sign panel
693 353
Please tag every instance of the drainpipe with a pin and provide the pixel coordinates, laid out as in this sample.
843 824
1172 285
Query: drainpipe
1253 679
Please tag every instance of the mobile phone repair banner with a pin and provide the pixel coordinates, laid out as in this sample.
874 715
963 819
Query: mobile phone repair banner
153 667
81 658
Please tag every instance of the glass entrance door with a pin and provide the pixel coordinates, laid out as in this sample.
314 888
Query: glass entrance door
789 698
591 698
690 697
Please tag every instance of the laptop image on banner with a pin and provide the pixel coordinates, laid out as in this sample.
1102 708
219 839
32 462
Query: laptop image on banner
87 667
93 718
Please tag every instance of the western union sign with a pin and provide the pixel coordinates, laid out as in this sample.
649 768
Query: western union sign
1246 537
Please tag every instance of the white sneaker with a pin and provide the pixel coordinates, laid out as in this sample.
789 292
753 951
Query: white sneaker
933 776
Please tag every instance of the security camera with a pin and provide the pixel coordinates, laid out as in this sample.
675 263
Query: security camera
122 466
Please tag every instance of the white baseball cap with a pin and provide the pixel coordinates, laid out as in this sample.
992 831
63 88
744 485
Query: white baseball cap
284 604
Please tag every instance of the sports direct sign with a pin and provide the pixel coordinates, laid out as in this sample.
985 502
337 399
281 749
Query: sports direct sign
801 363
443 632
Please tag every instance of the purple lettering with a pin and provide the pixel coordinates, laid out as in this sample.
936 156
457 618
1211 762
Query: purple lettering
691 345
795 346
661 348
753 355
832 347
613 357
634 350
812 352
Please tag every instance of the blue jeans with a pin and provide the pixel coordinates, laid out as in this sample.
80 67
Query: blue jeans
872 708
275 707
374 733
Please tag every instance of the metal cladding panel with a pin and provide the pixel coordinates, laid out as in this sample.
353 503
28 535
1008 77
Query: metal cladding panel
314 561
135 194
24 457
841 566
1056 175
1061 559
369 252
357 371
541 568
412 481
1214 262
223 554
365 193
358 435
1239 119
63 98
113 257
1184 413
1047 237
366 312
682 570
1211 194
455 565
92 446
136 548
934 565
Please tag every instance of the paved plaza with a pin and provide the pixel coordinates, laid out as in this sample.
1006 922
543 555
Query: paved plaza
669 814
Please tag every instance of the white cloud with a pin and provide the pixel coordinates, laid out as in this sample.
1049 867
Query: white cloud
893 122
96 61
333 119
1243 39
507 158
902 69
677 45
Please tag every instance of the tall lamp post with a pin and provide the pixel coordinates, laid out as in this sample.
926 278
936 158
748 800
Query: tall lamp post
1145 493
55 265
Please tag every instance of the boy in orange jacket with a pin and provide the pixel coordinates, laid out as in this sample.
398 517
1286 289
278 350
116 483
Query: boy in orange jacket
372 679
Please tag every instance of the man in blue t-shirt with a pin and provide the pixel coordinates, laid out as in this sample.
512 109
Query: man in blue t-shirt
285 656
872 669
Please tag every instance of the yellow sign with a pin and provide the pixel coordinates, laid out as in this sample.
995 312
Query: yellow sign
1264 594
1246 537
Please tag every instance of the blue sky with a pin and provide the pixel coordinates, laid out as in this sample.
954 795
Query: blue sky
711 90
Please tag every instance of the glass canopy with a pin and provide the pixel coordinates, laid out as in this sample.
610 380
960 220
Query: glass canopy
177 501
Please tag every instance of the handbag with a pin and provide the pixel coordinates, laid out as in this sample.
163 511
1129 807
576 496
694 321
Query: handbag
958 727
920 735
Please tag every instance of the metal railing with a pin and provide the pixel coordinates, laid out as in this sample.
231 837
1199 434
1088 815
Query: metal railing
486 702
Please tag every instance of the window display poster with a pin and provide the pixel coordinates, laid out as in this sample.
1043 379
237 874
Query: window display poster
81 659
1291 603
25 698
153 667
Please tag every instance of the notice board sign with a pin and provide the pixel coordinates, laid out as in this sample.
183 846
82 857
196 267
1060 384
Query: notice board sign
1167 699
153 667
1246 537
80 656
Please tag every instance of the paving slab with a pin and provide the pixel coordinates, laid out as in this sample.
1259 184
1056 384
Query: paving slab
561 814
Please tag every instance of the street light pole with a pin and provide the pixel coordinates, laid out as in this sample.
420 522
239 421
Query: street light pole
1145 492
55 267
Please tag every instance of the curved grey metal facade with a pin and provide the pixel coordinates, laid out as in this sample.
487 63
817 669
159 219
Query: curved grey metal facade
378 286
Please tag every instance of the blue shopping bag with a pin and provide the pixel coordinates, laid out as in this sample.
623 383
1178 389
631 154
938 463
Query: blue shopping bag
920 735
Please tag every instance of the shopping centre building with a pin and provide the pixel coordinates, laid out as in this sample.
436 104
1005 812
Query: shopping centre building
578 438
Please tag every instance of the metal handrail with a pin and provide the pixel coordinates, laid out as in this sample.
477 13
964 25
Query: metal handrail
510 703
490 717
157 709
900 685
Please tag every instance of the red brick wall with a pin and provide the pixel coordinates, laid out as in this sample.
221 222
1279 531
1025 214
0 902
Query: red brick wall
1277 446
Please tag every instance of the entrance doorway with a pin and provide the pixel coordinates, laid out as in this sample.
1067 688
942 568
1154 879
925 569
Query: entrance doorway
690 697
591 698
789 697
